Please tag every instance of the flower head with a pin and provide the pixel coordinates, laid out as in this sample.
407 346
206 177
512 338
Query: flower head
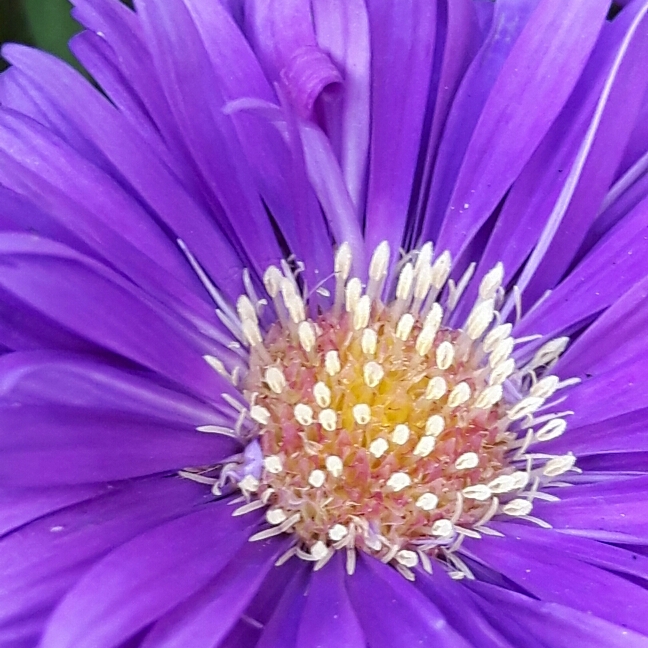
322 325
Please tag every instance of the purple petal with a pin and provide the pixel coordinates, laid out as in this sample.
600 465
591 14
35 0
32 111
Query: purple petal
146 577
328 620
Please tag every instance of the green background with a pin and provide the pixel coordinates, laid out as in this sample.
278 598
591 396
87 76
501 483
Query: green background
44 23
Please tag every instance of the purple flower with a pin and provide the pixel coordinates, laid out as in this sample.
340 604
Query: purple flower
245 401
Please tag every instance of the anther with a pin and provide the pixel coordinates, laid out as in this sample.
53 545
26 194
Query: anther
260 414
425 446
525 407
332 363
404 326
445 355
467 461
361 413
436 388
306 334
276 516
322 394
480 318
328 419
424 257
373 374
501 352
379 263
545 387
489 397
435 425
338 532
407 558
334 465
369 341
245 309
273 464
275 379
517 507
401 434
442 528
272 279
551 430
405 282
343 261
378 447
398 480
479 492
422 283
500 373
249 484
251 332
548 352
459 395
353 293
427 502
559 465
316 478
319 550
441 270
361 313
491 282
496 335
303 414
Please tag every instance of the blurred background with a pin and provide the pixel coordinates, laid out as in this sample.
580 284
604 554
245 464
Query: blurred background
44 23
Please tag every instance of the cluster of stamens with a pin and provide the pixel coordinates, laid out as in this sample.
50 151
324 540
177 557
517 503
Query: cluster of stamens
384 430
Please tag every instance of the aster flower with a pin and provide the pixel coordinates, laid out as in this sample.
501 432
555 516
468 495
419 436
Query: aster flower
323 325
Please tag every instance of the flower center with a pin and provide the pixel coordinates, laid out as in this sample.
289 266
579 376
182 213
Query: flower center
384 429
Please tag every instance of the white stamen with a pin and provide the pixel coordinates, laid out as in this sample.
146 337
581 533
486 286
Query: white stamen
307 337
272 279
379 263
405 282
332 363
407 558
427 501
441 270
353 293
508 483
316 478
378 447
548 352
517 507
479 492
245 309
551 430
496 335
436 388
251 332
328 419
430 328
260 414
343 261
398 481
404 326
442 528
480 318
361 413
369 341
425 446
559 465
489 397
459 395
303 414
491 282
319 550
249 483
422 283
525 407
322 394
273 464
545 387
276 516
467 461
435 425
445 355
500 373
401 434
361 313
501 352
293 301
373 374
424 257
334 465
338 532
275 379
